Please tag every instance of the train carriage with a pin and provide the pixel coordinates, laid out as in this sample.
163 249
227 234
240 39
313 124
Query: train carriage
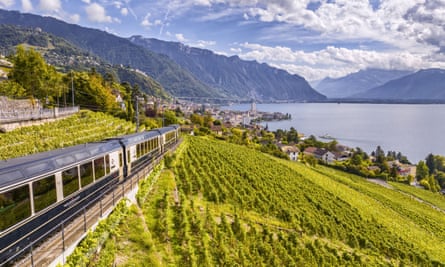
139 149
39 191
169 136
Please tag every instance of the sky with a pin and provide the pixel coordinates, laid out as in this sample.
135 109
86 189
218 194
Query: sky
311 38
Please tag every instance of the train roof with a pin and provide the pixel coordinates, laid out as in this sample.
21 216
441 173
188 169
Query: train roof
20 169
168 128
136 138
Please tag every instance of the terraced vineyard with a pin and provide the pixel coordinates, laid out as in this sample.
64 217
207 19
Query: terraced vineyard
223 204
83 127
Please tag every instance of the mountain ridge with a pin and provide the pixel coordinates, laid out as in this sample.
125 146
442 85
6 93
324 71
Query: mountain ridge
357 82
233 75
116 50
425 84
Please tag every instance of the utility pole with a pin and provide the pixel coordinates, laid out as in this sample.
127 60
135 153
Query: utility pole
137 114
72 87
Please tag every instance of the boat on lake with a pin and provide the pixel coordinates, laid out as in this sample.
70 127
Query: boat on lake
326 136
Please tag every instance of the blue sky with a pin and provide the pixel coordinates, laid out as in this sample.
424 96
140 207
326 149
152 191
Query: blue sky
312 38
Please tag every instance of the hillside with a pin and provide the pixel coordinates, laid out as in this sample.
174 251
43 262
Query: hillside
117 51
223 204
235 77
428 84
85 126
357 82
65 56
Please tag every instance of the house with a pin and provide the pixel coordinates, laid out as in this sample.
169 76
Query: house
188 129
321 154
217 129
291 151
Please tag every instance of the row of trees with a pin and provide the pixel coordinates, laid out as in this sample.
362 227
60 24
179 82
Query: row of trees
31 77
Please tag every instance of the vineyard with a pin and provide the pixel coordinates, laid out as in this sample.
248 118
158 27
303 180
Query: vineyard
224 204
85 126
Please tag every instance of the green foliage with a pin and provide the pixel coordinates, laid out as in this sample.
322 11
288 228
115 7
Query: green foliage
86 126
30 71
422 170
230 205
84 252
11 89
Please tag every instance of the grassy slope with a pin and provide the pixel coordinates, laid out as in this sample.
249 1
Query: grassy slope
85 126
236 206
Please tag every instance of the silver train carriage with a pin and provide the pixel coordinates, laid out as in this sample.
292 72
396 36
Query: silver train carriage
40 191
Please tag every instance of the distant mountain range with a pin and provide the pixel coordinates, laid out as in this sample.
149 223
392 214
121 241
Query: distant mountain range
116 51
357 82
224 77
66 56
233 76
423 85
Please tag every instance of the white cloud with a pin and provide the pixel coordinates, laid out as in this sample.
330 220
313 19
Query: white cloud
334 61
75 18
124 11
27 5
146 22
180 37
204 44
86 1
50 5
97 13
6 3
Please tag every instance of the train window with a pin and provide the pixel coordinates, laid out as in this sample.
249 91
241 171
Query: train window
121 161
99 168
44 192
107 164
128 156
14 206
86 174
70 180
138 150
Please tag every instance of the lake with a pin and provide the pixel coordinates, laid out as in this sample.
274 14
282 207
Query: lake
414 130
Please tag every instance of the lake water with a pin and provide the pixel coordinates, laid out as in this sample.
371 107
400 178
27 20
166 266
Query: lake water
414 130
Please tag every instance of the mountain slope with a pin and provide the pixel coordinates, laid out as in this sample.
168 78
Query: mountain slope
357 82
116 50
426 84
65 56
225 204
236 77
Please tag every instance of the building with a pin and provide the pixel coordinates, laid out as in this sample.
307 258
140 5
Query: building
291 151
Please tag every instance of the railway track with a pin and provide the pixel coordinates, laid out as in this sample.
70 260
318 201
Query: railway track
68 234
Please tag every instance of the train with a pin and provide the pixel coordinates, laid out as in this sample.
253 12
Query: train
38 192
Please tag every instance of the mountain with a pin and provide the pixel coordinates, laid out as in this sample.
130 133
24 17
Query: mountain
235 77
117 51
428 84
357 82
66 56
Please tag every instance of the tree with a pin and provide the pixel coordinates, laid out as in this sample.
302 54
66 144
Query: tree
197 119
431 163
11 89
169 117
91 93
30 71
422 170
356 159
